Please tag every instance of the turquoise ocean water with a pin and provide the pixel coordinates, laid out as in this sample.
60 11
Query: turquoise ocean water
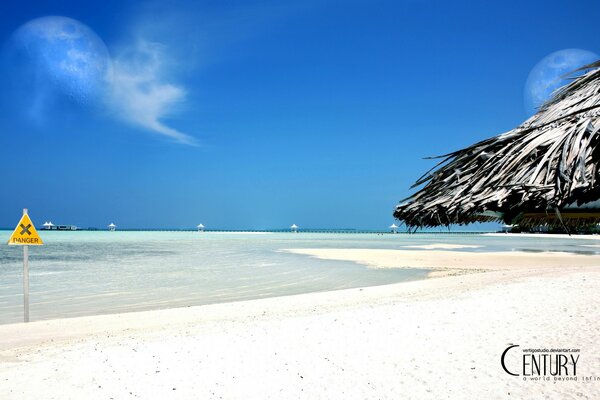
88 273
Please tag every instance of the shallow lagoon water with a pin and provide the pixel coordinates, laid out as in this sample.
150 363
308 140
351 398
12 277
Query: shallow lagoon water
88 273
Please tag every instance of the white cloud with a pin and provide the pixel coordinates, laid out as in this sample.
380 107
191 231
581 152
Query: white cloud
139 93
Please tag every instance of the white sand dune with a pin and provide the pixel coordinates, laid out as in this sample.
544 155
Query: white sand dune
433 339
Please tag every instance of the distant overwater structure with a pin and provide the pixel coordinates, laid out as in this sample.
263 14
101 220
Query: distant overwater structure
545 172
112 227
294 228
394 228
48 225
200 228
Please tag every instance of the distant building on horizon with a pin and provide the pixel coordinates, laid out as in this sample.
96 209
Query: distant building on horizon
294 228
49 226
112 227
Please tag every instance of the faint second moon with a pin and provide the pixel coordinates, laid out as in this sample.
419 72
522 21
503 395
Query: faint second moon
549 74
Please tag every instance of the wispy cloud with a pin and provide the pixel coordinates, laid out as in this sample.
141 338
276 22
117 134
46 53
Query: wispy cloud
140 93
143 70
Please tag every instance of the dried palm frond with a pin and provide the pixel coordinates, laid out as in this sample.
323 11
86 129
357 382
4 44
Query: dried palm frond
541 172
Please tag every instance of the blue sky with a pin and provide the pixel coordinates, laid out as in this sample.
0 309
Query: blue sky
246 114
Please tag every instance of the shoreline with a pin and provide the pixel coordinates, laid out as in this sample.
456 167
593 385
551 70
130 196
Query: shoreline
431 338
545 235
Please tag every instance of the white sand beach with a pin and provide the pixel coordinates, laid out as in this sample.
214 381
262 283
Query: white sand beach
438 338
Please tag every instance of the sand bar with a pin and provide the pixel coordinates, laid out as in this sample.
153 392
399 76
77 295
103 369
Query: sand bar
444 262
442 246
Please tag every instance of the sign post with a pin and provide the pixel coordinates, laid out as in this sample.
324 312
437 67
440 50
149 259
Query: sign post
25 284
25 235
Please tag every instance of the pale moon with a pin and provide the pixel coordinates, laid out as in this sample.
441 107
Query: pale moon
64 54
549 74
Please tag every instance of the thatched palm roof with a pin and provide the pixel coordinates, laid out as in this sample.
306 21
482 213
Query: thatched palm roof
545 171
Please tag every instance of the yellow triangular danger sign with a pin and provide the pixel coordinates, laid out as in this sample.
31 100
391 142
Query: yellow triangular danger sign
25 234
